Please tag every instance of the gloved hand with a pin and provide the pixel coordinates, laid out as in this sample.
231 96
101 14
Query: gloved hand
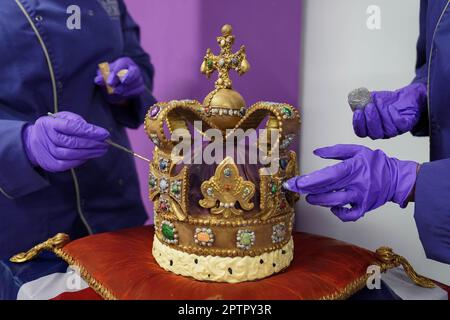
62 143
391 113
126 87
366 180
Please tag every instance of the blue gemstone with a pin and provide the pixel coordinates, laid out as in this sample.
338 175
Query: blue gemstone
163 165
284 163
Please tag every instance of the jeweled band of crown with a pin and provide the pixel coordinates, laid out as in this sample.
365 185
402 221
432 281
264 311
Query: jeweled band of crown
220 222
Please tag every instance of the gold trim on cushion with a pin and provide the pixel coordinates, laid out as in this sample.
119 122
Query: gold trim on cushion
349 290
98 287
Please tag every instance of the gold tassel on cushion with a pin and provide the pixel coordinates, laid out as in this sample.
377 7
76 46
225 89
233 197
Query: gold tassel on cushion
51 244
387 259
390 260
55 245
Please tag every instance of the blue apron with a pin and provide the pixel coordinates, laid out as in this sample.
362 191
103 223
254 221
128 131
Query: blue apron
48 67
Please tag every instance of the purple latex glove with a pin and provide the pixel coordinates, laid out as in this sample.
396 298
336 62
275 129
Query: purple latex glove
129 86
62 143
365 179
391 113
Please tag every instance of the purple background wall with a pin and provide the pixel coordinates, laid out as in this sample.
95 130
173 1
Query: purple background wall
176 34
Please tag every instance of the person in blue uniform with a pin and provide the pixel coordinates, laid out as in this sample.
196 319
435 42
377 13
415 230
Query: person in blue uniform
57 174
367 179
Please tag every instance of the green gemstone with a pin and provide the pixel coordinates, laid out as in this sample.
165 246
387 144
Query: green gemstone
176 188
273 188
246 239
152 183
287 112
168 232
210 63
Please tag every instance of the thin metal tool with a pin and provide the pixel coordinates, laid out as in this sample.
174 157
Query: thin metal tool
115 145
118 146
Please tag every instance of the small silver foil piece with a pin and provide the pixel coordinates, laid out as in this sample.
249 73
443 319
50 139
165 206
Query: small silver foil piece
359 98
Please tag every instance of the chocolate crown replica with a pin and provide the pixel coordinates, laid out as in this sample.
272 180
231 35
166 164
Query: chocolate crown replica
222 222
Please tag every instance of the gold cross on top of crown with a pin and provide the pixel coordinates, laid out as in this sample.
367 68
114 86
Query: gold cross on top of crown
226 60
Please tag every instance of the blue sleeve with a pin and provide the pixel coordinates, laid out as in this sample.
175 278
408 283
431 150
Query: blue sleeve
422 127
17 176
134 115
421 62
432 209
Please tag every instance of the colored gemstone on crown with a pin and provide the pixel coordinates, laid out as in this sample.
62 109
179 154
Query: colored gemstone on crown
227 172
164 205
163 185
245 239
176 188
287 112
284 163
278 233
283 204
154 111
287 141
152 182
163 165
273 188
155 139
204 237
169 232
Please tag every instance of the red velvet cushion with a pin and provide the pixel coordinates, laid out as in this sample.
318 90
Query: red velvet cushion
120 265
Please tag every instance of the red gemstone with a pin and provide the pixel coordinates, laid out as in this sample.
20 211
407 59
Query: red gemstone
162 206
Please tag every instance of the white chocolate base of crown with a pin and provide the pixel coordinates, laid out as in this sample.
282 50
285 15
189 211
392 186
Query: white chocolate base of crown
223 269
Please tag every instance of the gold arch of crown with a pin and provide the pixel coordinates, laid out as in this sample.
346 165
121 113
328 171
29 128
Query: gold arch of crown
178 114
